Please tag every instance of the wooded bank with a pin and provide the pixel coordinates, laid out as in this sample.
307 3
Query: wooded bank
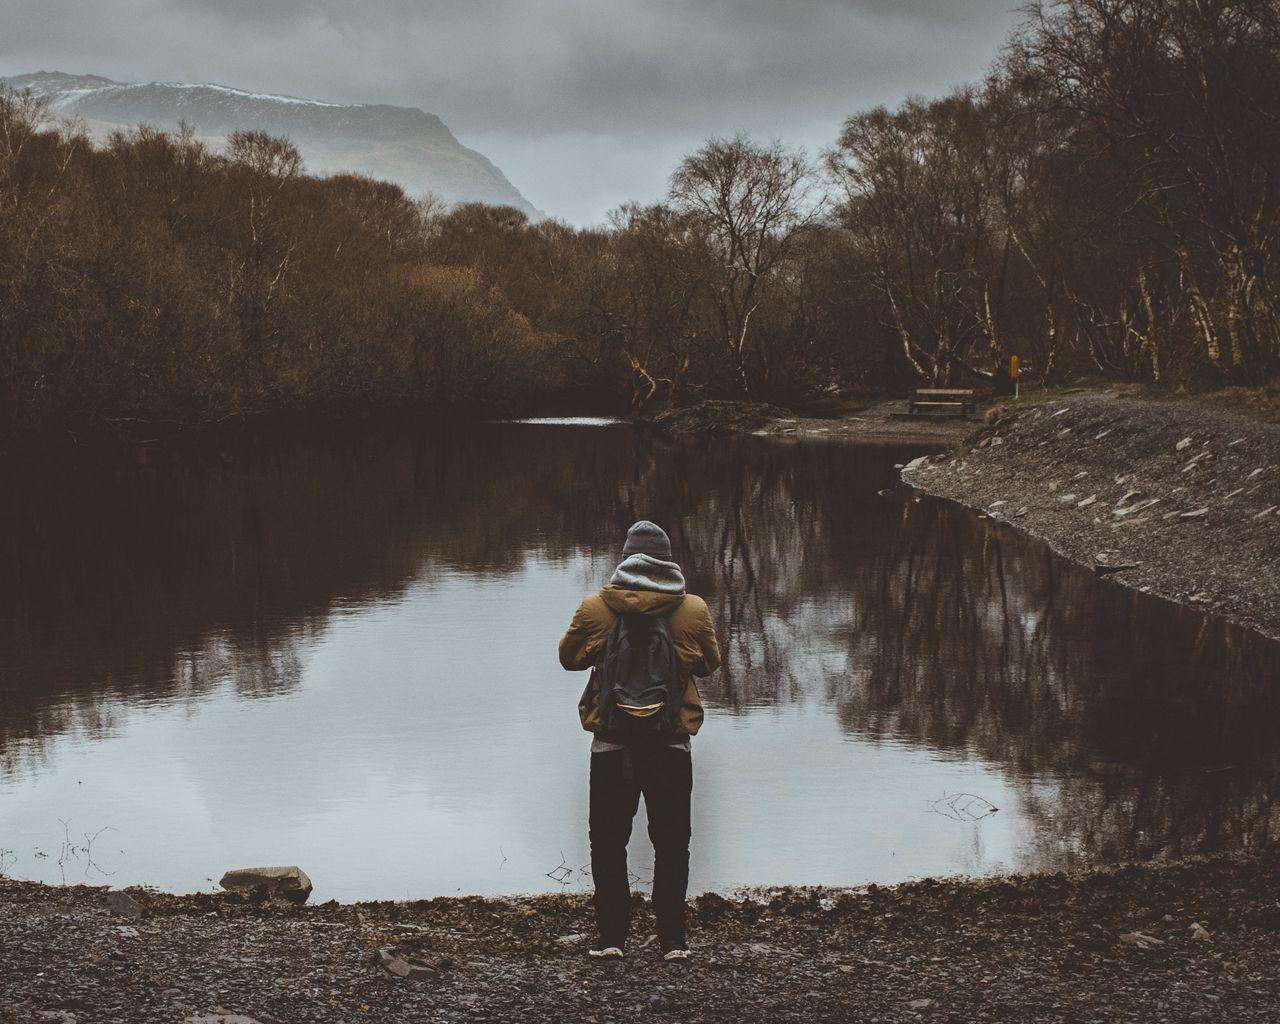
1107 201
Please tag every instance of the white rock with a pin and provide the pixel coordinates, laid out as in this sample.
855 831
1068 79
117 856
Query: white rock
219 1018
1182 445
1138 507
403 967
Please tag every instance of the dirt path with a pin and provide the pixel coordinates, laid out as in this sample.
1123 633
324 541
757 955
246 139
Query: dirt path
1178 498
874 423
871 422
1047 948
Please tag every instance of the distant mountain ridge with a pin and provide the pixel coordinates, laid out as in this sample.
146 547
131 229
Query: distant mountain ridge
401 144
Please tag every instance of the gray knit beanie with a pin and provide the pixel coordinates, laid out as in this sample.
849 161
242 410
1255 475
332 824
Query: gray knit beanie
646 538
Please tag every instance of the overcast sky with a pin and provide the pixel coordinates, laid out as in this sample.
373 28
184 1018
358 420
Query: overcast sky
584 104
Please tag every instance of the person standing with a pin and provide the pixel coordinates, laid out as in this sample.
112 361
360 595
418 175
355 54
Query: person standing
645 640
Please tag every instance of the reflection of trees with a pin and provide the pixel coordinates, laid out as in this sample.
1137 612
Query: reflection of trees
171 574
1157 723
771 534
176 573
1138 728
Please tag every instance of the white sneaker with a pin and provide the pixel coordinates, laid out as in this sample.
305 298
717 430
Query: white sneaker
607 953
676 954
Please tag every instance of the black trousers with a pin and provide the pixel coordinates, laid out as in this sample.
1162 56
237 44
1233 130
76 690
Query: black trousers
664 775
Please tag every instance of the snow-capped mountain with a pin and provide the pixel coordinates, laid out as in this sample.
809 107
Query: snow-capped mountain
401 144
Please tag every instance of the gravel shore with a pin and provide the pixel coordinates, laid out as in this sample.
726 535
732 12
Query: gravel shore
1176 497
1192 941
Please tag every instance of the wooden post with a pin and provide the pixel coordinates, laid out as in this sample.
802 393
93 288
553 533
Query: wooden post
1013 374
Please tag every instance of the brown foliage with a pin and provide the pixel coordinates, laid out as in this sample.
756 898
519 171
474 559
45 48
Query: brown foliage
1108 201
152 280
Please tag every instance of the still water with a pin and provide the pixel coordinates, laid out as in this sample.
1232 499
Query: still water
339 650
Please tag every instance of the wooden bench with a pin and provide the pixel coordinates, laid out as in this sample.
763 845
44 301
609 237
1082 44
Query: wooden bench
943 401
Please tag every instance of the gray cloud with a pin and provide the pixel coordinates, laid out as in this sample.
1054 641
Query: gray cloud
572 98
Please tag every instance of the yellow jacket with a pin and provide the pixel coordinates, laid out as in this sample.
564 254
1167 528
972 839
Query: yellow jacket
692 635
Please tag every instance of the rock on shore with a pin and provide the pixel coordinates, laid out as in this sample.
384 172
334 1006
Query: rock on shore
1176 497
286 881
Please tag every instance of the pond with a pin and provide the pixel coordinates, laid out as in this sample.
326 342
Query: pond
338 649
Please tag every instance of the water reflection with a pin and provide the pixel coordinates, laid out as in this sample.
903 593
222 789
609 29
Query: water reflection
342 609
1156 721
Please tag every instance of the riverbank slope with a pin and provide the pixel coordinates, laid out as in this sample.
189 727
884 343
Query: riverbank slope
1176 497
1192 941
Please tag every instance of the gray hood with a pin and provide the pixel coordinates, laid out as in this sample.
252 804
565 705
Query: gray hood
644 572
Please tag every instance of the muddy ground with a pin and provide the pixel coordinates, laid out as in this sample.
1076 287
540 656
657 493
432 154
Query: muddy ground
869 421
1193 941
1176 497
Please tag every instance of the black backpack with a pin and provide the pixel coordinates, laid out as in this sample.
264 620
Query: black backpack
641 688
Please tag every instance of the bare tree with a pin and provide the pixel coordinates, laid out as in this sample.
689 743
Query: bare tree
655 282
751 201
922 197
1182 94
